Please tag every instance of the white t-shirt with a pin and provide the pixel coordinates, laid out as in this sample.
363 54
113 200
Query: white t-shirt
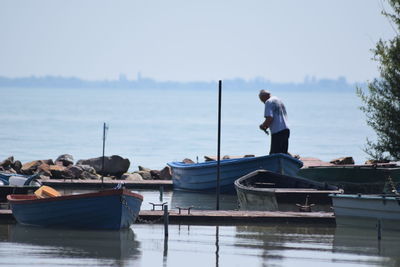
276 109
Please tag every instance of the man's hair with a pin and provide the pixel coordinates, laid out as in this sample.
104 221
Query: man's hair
264 93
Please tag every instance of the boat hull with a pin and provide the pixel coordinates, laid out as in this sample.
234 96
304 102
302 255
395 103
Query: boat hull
367 210
203 176
109 209
365 179
267 191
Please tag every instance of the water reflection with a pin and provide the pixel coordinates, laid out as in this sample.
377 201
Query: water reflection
203 201
364 241
113 245
216 246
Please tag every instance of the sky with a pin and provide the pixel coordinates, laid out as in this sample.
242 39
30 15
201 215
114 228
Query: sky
187 40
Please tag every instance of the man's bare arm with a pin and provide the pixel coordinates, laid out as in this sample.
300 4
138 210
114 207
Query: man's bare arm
267 122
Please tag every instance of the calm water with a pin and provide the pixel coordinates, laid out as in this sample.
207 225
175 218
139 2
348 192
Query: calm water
152 127
199 245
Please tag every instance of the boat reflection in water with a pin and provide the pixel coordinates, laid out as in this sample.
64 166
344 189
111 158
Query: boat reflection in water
364 241
112 245
203 201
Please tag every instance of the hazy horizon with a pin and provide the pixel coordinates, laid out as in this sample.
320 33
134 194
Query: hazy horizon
177 40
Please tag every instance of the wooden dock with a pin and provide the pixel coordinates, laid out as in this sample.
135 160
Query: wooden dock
76 183
226 217
239 217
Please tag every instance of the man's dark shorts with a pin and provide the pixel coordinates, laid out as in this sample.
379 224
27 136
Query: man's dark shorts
280 142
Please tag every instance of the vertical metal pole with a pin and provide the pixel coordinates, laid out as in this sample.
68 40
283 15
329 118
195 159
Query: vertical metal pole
217 246
166 221
219 141
161 192
379 226
102 163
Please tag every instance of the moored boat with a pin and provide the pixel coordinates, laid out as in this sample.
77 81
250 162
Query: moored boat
108 209
367 210
354 179
11 183
203 176
265 190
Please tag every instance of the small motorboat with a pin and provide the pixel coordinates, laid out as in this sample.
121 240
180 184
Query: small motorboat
265 190
11 183
109 209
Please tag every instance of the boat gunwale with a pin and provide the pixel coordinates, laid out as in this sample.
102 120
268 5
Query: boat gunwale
238 184
27 199
367 197
186 166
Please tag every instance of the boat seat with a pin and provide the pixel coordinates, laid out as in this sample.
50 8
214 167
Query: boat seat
46 191
262 184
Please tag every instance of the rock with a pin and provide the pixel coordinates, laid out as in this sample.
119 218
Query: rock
114 165
375 162
155 174
44 169
76 171
44 177
7 162
145 175
89 176
10 170
141 168
31 167
132 177
59 172
88 169
342 161
188 161
65 159
17 165
165 174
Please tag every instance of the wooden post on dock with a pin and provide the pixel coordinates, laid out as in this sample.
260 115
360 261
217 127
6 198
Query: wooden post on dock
219 141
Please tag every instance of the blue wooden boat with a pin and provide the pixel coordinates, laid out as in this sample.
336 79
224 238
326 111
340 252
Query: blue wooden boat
109 209
203 176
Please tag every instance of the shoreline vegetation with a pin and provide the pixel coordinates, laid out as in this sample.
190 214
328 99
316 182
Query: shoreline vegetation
309 83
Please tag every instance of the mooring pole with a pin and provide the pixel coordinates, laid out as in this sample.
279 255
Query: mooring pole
379 228
219 141
102 162
166 221
161 192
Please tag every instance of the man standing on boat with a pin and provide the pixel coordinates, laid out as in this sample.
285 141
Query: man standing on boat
276 120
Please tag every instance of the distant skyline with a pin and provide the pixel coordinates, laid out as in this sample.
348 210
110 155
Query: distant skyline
177 40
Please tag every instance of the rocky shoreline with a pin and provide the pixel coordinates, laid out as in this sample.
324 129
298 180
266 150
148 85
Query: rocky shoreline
115 168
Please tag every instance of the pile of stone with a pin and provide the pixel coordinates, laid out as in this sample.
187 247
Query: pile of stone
115 167
148 174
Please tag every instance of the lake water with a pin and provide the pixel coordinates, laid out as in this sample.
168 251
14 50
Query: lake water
199 245
152 127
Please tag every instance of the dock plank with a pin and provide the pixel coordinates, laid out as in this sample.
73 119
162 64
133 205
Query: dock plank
222 217
238 217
